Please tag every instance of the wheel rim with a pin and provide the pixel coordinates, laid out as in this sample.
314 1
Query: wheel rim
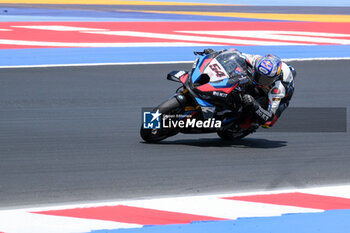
154 131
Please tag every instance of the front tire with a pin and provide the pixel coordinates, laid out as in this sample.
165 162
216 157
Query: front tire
229 135
153 135
172 106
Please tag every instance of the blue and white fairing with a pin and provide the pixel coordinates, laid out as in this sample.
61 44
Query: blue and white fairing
218 72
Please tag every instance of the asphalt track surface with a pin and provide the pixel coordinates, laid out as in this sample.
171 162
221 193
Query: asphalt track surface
71 134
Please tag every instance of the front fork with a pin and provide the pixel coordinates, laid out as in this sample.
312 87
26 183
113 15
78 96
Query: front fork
186 102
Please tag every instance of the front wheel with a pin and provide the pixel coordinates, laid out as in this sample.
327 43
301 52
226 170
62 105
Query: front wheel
172 106
154 135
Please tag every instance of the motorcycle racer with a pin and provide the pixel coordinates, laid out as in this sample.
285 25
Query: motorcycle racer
240 91
269 91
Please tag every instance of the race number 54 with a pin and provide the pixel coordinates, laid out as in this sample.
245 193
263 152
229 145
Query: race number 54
216 68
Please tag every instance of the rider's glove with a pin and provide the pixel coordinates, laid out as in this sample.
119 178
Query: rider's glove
249 102
264 117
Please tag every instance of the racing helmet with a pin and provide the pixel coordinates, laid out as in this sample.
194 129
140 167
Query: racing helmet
267 70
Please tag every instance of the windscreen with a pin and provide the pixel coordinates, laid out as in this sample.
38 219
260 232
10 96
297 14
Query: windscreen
232 62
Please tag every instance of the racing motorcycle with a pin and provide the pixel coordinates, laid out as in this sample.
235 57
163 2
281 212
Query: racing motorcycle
211 90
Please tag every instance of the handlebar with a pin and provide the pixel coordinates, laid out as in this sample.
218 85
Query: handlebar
199 53
205 52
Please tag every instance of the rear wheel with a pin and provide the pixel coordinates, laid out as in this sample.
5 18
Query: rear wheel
171 106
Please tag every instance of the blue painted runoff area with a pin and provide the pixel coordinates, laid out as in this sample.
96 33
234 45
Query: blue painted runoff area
332 221
54 56
142 17
13 14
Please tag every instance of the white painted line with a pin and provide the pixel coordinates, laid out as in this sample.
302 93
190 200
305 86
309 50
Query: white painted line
219 208
24 222
332 190
159 62
97 64
204 205
61 28
311 37
317 59
193 38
